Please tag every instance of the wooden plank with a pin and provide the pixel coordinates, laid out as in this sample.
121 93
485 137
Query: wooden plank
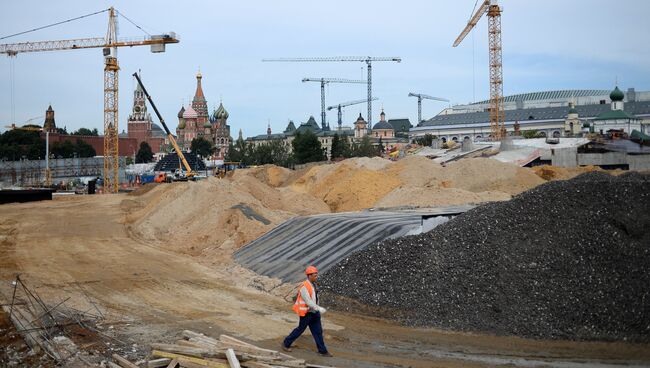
158 363
250 347
123 362
297 363
184 359
112 365
254 364
190 351
173 363
232 359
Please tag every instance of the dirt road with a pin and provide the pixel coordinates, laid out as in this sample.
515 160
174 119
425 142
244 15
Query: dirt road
60 245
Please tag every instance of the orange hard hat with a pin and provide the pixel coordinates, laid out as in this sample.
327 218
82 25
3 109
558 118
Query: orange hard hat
310 270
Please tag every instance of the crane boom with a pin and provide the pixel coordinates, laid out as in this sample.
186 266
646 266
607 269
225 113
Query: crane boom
110 43
323 82
333 80
493 11
420 97
472 21
343 104
83 43
190 173
366 59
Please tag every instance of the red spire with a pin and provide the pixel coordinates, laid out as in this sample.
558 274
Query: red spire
198 95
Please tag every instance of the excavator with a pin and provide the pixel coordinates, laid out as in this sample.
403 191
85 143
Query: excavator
189 173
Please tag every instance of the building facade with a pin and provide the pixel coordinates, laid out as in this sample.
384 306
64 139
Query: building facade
561 121
195 122
141 127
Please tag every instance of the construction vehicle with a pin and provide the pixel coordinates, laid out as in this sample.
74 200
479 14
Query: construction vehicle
109 45
493 11
189 173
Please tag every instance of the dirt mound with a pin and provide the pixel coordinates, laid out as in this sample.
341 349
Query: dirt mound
416 171
214 215
345 186
549 172
565 260
271 175
484 174
437 197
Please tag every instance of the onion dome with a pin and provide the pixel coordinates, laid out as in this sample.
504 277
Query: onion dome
360 119
616 95
181 124
190 113
220 113
207 124
180 113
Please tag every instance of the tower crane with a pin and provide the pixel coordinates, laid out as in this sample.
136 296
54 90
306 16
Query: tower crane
493 11
365 59
344 104
427 97
323 82
109 44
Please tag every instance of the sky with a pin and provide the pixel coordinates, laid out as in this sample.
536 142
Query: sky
547 45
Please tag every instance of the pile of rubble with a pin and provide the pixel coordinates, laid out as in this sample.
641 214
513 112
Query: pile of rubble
566 260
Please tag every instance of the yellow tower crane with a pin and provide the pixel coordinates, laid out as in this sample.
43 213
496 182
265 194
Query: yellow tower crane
109 44
493 11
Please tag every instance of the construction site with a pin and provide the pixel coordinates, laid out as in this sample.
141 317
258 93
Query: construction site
448 248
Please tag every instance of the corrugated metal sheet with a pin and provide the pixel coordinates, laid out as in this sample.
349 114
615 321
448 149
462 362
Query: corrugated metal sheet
324 240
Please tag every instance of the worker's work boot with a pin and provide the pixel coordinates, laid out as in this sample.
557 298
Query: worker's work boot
325 354
287 349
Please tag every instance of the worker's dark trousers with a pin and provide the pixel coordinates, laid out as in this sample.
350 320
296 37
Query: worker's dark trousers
313 321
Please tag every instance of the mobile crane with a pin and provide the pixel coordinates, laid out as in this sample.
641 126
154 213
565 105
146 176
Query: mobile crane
189 173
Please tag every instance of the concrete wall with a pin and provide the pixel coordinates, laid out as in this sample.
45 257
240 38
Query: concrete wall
639 162
565 157
597 159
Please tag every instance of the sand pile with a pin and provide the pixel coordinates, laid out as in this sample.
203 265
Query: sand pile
348 186
360 183
214 215
483 174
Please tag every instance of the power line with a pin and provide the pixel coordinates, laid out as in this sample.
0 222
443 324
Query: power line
53 24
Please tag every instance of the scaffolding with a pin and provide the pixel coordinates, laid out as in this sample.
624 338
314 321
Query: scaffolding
32 173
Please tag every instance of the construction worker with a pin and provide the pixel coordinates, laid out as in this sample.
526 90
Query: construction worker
306 306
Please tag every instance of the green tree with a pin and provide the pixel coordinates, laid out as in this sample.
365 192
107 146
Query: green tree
307 148
65 149
425 140
237 152
529 134
275 152
201 147
86 131
337 147
84 149
365 148
144 154
63 130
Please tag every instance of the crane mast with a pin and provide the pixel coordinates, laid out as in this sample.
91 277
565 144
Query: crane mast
420 97
323 82
109 44
366 59
493 11
344 104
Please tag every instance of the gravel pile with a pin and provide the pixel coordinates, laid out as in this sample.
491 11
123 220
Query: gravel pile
566 260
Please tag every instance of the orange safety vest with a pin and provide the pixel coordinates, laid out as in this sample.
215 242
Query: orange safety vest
300 307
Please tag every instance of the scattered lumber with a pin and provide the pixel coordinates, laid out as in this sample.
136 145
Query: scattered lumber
196 350
232 359
123 362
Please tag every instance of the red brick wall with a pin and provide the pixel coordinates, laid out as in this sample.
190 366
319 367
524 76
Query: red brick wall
127 146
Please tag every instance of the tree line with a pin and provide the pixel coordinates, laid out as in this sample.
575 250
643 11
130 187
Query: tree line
305 147
19 144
